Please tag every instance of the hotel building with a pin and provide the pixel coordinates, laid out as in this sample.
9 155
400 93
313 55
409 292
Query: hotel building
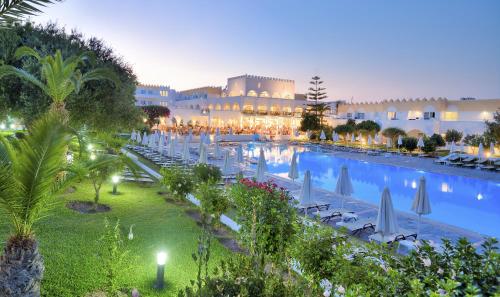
267 103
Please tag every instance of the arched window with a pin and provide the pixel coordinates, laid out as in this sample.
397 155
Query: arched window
210 107
227 106
264 94
236 107
217 107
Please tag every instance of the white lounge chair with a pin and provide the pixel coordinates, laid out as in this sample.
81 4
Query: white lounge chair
402 234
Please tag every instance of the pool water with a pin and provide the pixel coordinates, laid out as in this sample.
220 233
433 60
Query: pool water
468 203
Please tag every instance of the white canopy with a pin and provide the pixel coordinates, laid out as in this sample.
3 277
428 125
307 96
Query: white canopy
421 204
293 173
387 222
261 167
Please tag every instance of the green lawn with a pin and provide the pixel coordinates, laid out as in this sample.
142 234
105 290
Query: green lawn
69 242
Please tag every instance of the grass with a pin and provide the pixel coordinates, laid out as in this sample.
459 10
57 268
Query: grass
69 242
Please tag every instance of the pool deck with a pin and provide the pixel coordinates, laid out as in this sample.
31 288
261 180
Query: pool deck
429 229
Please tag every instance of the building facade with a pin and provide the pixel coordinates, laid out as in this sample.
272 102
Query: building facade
427 116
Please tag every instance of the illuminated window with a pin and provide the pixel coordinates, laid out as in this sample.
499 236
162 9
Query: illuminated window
264 94
164 93
449 116
298 109
217 107
227 106
236 107
392 115
252 93
414 115
210 107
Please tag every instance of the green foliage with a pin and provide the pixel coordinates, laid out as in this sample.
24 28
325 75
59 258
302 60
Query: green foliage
438 139
493 127
410 143
31 172
205 173
213 200
177 180
101 169
17 10
154 112
453 135
99 103
309 121
267 219
317 93
351 122
112 255
344 130
474 140
429 145
368 127
393 133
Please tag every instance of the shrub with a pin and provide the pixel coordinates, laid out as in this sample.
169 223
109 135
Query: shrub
213 200
453 135
19 135
309 121
368 127
351 122
393 133
178 181
410 143
206 173
429 145
344 130
438 139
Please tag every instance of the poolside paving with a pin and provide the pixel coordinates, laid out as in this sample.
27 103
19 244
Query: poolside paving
429 229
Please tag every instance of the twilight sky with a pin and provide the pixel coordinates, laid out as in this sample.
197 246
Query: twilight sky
368 50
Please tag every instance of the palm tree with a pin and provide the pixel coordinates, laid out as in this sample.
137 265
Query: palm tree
59 77
30 175
16 10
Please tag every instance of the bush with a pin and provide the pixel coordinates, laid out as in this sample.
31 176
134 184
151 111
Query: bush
178 181
410 143
351 122
453 135
309 121
344 130
429 145
368 127
393 133
438 139
205 173
19 135
212 199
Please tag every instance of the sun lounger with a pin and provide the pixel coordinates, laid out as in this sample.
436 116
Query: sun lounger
402 234
329 214
359 225
315 206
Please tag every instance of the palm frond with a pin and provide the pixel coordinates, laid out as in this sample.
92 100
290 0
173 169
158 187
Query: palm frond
16 10
41 160
7 153
9 195
6 70
98 74
26 51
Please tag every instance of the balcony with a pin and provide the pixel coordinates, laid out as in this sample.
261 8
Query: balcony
262 112
248 112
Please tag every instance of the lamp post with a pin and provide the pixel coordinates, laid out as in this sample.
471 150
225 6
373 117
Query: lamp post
161 259
115 179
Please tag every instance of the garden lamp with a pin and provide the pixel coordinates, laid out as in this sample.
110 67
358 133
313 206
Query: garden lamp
161 259
115 179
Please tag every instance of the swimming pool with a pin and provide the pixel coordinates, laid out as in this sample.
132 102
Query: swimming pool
468 203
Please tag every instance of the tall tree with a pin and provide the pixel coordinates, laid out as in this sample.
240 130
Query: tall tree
154 113
59 77
316 94
17 10
30 175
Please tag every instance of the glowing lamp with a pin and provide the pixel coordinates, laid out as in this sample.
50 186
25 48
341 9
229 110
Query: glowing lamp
161 259
92 156
115 179
90 147
2 126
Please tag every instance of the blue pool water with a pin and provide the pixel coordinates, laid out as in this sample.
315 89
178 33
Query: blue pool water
469 203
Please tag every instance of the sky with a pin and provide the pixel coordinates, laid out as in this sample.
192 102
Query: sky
363 50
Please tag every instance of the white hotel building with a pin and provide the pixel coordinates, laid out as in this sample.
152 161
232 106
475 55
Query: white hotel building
257 102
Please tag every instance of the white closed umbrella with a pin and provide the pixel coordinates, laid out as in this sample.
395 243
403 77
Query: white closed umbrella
171 148
217 149
400 140
308 134
344 185
421 204
151 141
144 139
305 198
337 137
226 167
334 135
169 138
420 143
138 138
369 140
230 130
203 158
360 137
377 138
190 135
452 146
132 135
239 154
480 151
293 173
387 222
207 139
160 145
217 134
353 138
388 142
322 136
462 147
261 167
492 149
185 151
